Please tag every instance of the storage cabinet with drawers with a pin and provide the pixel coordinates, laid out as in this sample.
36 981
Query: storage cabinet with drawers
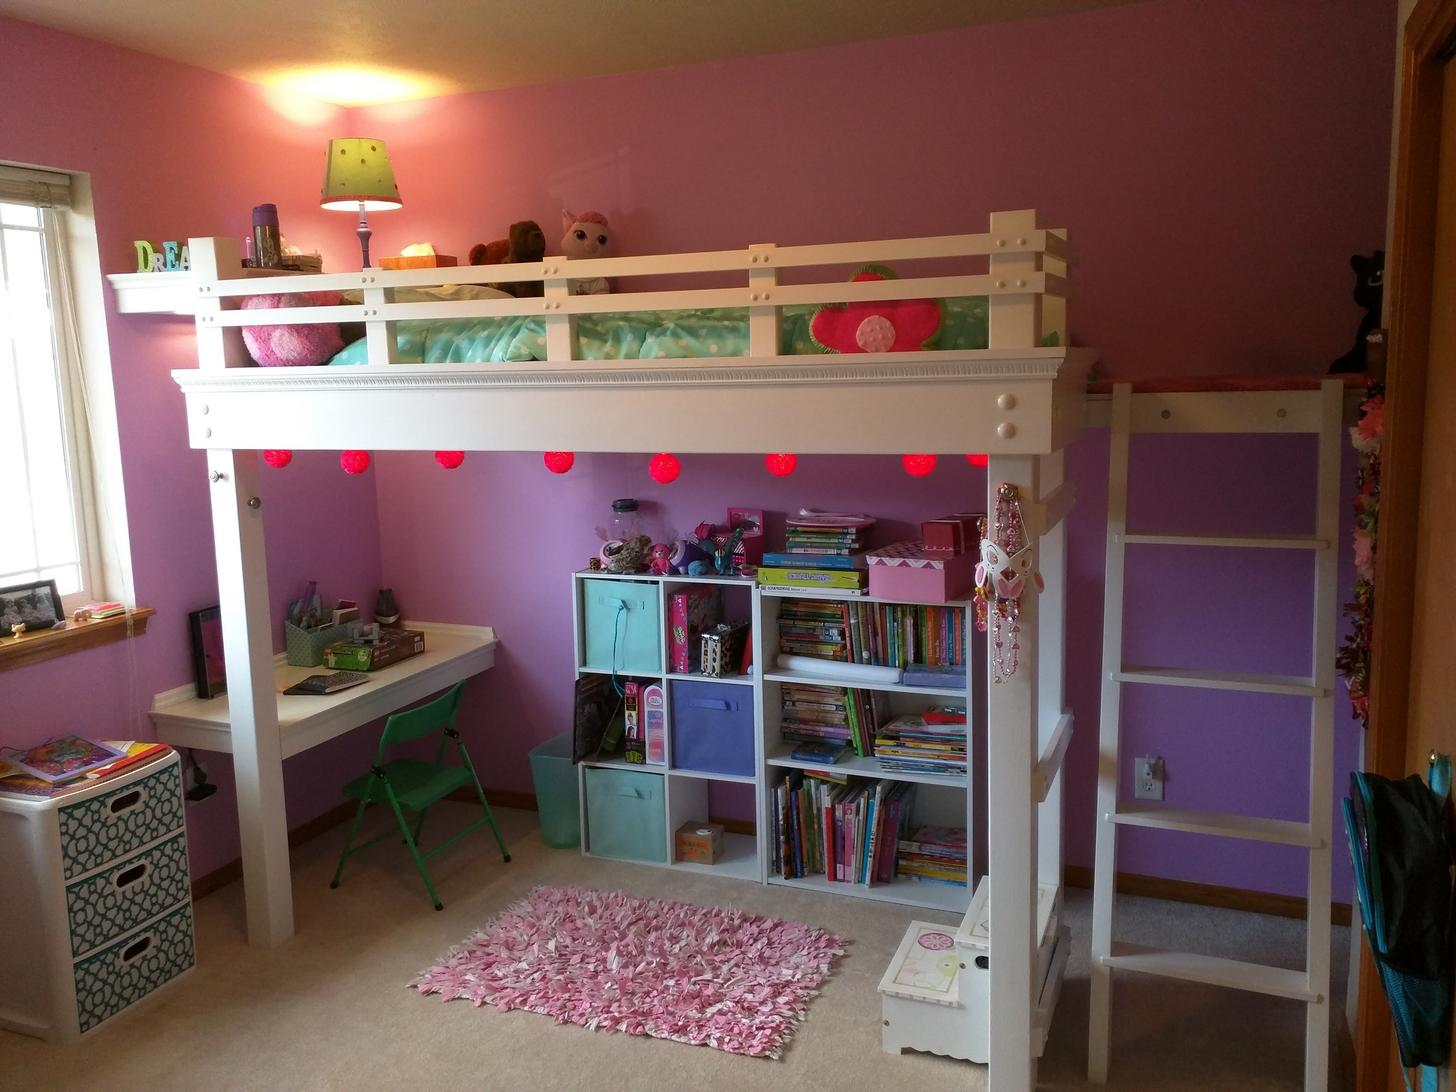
97 906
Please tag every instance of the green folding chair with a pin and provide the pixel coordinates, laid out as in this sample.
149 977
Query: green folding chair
413 785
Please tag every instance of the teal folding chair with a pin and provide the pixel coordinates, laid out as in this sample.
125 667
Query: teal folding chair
413 785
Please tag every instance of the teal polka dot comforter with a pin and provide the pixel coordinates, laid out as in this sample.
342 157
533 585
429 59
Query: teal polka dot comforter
638 335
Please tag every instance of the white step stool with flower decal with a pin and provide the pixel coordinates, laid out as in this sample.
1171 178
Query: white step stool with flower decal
935 995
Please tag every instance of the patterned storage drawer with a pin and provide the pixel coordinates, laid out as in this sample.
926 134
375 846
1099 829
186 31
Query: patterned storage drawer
113 824
119 898
124 973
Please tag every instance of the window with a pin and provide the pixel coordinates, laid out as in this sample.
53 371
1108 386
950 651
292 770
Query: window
49 530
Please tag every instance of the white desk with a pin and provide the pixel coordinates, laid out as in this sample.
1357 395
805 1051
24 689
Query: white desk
451 653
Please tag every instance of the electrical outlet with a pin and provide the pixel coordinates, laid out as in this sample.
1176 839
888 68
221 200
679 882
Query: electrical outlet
1148 778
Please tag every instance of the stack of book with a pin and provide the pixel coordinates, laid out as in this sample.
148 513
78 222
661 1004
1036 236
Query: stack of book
847 833
814 627
929 742
934 855
822 551
839 715
65 763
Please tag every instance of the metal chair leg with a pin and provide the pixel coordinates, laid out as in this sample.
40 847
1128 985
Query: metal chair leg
413 848
480 794
353 830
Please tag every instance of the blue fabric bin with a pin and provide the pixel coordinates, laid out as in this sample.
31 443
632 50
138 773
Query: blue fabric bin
712 727
626 815
623 626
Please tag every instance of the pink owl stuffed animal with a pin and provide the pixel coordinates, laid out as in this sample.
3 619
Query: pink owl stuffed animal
586 235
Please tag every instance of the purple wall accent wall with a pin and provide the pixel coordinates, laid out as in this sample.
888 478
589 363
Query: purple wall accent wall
1215 164
175 151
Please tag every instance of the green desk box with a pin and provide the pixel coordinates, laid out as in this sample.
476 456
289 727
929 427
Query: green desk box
626 816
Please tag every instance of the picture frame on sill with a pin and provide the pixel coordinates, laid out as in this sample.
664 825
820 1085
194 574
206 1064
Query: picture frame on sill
208 666
36 604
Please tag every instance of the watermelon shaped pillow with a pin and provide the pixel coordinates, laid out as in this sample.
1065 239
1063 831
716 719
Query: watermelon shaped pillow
875 326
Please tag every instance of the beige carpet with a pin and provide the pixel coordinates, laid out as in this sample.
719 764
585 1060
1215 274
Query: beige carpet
329 1009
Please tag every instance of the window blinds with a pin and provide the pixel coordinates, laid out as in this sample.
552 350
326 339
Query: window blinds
41 189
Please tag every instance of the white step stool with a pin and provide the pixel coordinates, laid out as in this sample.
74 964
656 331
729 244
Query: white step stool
936 993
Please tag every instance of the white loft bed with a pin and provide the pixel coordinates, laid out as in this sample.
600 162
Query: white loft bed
1016 400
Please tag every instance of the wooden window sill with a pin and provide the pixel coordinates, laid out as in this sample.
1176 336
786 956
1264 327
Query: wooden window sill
31 648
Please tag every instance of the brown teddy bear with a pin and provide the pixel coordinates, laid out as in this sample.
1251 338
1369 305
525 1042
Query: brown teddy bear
526 244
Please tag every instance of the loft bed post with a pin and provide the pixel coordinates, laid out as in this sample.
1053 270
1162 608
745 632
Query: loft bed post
1011 714
763 321
382 346
1011 828
242 585
561 332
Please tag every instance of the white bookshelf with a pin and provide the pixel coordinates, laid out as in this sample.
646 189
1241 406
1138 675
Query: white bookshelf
945 799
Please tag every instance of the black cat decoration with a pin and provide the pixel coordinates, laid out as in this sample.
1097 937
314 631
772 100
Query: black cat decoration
1369 288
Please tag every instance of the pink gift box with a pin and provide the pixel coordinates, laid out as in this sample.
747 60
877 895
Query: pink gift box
953 534
907 570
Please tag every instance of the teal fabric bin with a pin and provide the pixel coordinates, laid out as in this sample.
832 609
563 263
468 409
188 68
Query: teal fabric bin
557 801
623 626
626 816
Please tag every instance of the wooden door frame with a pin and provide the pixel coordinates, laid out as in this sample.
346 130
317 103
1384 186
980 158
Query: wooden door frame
1428 34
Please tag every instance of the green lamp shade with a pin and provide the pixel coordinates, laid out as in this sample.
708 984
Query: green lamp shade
357 171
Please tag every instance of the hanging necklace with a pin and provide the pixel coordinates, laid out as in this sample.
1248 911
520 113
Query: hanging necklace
1007 561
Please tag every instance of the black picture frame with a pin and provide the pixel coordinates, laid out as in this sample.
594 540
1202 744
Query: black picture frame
37 603
207 660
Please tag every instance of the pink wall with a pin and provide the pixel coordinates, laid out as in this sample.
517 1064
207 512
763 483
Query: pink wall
1216 165
175 151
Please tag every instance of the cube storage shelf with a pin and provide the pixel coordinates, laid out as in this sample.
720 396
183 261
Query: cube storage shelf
725 732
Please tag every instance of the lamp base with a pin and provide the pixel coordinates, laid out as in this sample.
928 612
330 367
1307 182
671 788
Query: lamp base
363 232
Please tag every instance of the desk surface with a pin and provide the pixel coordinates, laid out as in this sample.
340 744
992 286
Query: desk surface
451 653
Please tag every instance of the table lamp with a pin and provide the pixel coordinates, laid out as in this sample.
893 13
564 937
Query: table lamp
357 175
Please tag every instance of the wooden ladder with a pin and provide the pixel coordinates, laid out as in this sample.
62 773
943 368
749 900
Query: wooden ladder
1313 411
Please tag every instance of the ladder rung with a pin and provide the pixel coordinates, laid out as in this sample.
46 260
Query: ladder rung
1222 680
1255 542
1219 824
1212 971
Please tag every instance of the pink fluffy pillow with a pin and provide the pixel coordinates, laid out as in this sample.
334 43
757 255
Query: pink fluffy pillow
282 346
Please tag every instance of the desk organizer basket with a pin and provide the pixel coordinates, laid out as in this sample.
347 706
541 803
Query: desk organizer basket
306 646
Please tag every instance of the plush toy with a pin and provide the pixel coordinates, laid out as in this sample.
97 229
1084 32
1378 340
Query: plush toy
1369 290
527 243
661 564
629 556
875 326
284 346
586 235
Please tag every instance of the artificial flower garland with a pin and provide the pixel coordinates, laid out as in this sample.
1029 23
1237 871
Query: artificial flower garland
1354 656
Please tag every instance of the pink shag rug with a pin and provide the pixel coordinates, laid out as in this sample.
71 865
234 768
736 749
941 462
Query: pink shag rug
611 961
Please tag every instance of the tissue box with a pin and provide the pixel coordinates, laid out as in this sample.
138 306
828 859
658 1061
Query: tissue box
393 644
417 261
700 842
907 570
953 534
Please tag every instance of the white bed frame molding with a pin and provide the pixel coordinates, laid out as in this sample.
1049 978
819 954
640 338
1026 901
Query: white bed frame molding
1020 402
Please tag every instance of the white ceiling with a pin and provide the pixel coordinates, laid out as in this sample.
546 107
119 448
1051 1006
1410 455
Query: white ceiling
354 51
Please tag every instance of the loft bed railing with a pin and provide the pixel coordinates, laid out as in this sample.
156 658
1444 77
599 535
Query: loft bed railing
1022 394
1025 285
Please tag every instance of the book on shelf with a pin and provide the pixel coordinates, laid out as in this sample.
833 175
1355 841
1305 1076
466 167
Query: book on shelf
808 558
934 854
916 743
827 753
803 577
